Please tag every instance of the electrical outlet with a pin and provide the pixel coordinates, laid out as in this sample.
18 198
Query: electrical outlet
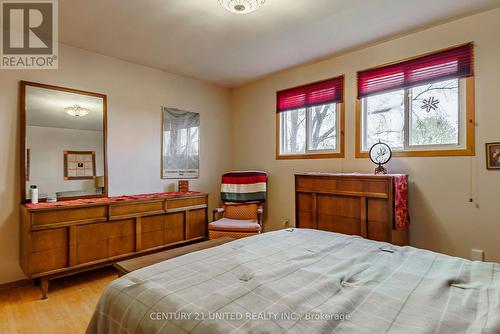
477 255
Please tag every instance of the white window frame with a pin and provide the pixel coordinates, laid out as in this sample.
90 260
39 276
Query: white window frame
407 147
338 152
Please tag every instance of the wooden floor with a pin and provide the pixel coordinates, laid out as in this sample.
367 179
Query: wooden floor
68 309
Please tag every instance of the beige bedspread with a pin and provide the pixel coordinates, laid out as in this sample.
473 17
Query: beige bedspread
304 281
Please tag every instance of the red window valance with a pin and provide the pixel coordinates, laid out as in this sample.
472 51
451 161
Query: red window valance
456 62
323 92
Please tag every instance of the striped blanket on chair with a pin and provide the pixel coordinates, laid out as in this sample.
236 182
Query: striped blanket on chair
246 186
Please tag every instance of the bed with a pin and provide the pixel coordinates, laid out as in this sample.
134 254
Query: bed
304 281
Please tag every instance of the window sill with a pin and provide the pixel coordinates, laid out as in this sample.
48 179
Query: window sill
310 156
434 153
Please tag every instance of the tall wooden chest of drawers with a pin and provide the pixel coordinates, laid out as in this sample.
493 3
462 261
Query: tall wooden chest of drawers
353 204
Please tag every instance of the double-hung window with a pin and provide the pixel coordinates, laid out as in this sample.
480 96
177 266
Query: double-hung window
420 107
310 121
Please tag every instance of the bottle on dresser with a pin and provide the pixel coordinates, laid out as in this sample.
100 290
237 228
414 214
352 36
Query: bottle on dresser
34 194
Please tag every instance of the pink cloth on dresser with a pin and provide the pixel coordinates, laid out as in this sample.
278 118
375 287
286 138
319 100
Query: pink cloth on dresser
110 199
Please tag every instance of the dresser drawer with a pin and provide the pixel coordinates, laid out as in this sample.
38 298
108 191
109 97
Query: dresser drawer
69 216
153 223
49 239
152 239
121 228
91 232
196 224
185 202
117 211
174 227
373 188
121 246
47 260
91 251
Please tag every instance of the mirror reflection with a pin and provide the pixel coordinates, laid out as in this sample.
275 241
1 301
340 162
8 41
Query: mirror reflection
64 144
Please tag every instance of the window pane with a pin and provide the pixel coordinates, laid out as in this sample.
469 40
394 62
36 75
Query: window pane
293 136
182 141
322 127
385 119
194 134
434 114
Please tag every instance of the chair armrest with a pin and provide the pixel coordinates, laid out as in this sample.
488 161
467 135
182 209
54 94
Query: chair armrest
217 211
260 211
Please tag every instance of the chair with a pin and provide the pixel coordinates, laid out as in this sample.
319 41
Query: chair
243 195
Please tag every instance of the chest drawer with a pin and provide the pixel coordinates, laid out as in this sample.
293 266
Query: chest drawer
118 211
70 215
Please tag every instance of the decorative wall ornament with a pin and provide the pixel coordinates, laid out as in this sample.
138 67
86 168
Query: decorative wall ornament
430 104
493 155
380 154
183 186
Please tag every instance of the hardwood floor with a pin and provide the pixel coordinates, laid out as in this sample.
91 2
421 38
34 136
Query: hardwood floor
68 309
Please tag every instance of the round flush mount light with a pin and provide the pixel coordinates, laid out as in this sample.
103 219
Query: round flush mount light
241 6
76 111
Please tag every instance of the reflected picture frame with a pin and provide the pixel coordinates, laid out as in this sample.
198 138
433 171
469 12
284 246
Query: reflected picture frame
79 165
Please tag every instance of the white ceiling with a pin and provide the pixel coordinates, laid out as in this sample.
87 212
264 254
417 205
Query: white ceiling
45 107
199 39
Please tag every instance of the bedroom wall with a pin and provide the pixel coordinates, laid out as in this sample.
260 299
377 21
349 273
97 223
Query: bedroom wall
135 96
443 219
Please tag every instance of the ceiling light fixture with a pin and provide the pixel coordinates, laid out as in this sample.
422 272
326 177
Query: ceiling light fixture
76 111
241 6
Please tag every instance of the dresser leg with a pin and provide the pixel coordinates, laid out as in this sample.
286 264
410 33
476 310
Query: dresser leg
44 286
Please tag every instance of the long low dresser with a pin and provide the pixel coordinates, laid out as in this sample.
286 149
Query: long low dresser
59 239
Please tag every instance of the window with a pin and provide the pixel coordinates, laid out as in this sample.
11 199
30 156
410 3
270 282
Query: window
420 107
310 121
433 114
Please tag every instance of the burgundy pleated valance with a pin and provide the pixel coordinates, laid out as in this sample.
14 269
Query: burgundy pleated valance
456 62
327 91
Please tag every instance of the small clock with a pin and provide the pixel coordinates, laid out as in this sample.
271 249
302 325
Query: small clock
380 154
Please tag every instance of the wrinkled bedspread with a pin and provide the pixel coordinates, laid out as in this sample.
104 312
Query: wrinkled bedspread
304 281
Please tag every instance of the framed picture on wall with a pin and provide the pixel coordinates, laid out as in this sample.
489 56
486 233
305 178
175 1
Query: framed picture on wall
79 165
493 155
180 144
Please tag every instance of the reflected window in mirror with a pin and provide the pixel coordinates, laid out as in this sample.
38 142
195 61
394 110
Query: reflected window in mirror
64 149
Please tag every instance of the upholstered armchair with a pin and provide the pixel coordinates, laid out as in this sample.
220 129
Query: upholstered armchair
243 195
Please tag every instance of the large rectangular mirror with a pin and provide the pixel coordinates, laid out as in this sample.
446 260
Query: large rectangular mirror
63 142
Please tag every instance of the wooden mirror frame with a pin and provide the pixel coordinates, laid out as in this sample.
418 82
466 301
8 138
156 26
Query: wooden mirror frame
22 105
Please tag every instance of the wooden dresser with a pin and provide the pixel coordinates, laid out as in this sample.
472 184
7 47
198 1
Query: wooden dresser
353 204
76 236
